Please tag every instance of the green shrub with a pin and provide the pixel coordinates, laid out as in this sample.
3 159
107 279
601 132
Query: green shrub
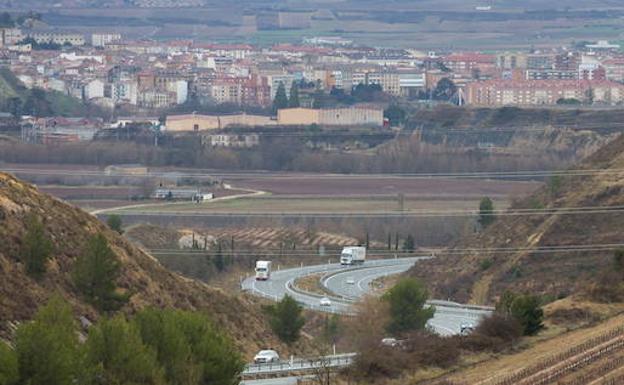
406 301
286 319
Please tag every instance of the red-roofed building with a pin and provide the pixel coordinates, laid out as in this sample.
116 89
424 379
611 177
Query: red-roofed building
469 63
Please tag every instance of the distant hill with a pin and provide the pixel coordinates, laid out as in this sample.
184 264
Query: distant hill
49 103
480 276
149 283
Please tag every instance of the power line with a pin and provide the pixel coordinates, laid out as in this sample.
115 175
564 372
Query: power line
405 213
398 253
385 251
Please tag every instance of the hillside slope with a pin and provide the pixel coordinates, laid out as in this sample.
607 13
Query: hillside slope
58 103
480 276
149 283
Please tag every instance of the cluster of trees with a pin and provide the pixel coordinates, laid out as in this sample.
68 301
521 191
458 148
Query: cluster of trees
49 45
95 271
362 93
395 114
155 347
282 101
402 313
405 154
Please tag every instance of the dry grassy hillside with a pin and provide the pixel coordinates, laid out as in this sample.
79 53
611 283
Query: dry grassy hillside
480 277
149 283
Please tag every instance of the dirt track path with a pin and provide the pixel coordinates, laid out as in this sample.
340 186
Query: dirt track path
247 193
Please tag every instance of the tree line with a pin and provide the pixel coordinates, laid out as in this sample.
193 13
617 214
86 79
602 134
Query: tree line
153 347
405 154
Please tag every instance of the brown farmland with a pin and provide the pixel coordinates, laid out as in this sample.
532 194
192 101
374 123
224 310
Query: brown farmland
386 186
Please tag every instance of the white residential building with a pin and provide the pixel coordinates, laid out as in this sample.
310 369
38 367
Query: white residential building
94 89
100 40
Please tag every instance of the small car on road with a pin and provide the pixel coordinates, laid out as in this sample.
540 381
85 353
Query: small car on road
325 301
466 328
266 356
350 281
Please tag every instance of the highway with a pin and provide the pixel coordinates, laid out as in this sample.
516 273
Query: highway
447 320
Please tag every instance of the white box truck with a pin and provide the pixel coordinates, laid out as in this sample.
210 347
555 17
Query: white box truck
353 255
263 270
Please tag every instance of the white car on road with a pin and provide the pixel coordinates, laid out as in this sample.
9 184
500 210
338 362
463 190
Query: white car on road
350 281
325 301
266 356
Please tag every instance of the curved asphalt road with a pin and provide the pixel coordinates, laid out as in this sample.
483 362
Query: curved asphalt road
447 320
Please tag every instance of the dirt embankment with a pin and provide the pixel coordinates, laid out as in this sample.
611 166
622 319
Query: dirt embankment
567 133
513 252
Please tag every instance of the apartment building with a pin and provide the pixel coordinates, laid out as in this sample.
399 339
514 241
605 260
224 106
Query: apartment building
389 81
250 90
511 61
124 91
411 83
614 69
75 39
100 40
10 36
540 61
275 80
156 99
468 63
542 92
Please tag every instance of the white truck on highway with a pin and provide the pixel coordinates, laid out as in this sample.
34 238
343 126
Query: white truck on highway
353 255
263 270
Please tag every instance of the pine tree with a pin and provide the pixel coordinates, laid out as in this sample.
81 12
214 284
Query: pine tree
281 100
95 273
293 102
48 348
407 300
409 244
36 247
286 319
527 310
115 354
219 260
486 212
